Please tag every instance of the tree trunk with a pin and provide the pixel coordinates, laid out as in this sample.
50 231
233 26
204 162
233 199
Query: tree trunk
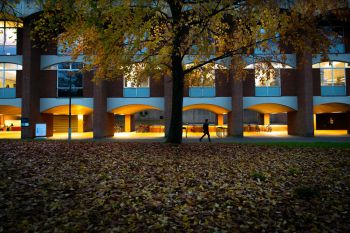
175 128
180 32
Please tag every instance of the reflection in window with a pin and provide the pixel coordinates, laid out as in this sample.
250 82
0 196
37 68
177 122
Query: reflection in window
266 76
132 82
8 37
332 73
8 75
69 73
199 78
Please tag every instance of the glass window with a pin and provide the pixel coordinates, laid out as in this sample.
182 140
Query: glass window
266 76
332 73
8 37
135 83
8 75
68 75
199 78
135 78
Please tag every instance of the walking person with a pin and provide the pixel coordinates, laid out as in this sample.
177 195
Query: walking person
205 130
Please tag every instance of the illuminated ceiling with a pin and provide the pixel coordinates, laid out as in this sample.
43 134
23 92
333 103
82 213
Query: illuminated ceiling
64 110
9 110
210 107
271 108
132 109
331 108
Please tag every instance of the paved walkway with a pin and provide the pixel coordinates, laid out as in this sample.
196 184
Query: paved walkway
194 137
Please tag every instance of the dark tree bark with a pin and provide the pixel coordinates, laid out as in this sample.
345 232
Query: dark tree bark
178 76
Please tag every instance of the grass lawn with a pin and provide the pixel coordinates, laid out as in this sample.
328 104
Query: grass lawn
54 186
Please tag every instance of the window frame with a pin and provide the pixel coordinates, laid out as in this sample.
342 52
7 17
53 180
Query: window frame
6 25
70 69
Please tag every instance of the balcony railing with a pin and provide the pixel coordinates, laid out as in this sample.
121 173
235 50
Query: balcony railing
136 92
202 91
7 93
267 91
333 90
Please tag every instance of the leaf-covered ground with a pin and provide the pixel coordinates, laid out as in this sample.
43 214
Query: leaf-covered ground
48 186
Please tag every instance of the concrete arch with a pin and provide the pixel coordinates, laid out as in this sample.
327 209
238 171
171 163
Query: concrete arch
10 110
319 100
151 103
132 109
332 108
81 105
64 110
275 104
289 61
210 107
50 60
16 60
270 108
341 57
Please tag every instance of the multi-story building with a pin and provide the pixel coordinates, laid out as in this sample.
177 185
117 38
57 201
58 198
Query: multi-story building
305 94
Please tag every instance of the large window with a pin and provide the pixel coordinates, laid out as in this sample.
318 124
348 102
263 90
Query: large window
267 78
136 82
134 87
202 83
8 37
8 73
69 74
332 77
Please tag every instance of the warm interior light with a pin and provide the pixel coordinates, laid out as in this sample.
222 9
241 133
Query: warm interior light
80 117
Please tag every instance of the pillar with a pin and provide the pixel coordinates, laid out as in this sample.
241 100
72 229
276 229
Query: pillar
220 119
80 123
47 118
266 119
129 123
314 121
301 122
235 117
348 121
103 121
30 82
87 123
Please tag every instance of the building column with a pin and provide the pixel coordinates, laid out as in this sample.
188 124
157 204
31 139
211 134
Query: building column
87 123
168 90
314 119
301 122
129 123
235 117
220 119
103 121
47 118
266 118
30 82
348 119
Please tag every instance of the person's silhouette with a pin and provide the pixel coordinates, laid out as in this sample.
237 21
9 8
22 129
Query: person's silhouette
205 130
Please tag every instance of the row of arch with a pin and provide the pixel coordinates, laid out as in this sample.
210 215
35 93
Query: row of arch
134 108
